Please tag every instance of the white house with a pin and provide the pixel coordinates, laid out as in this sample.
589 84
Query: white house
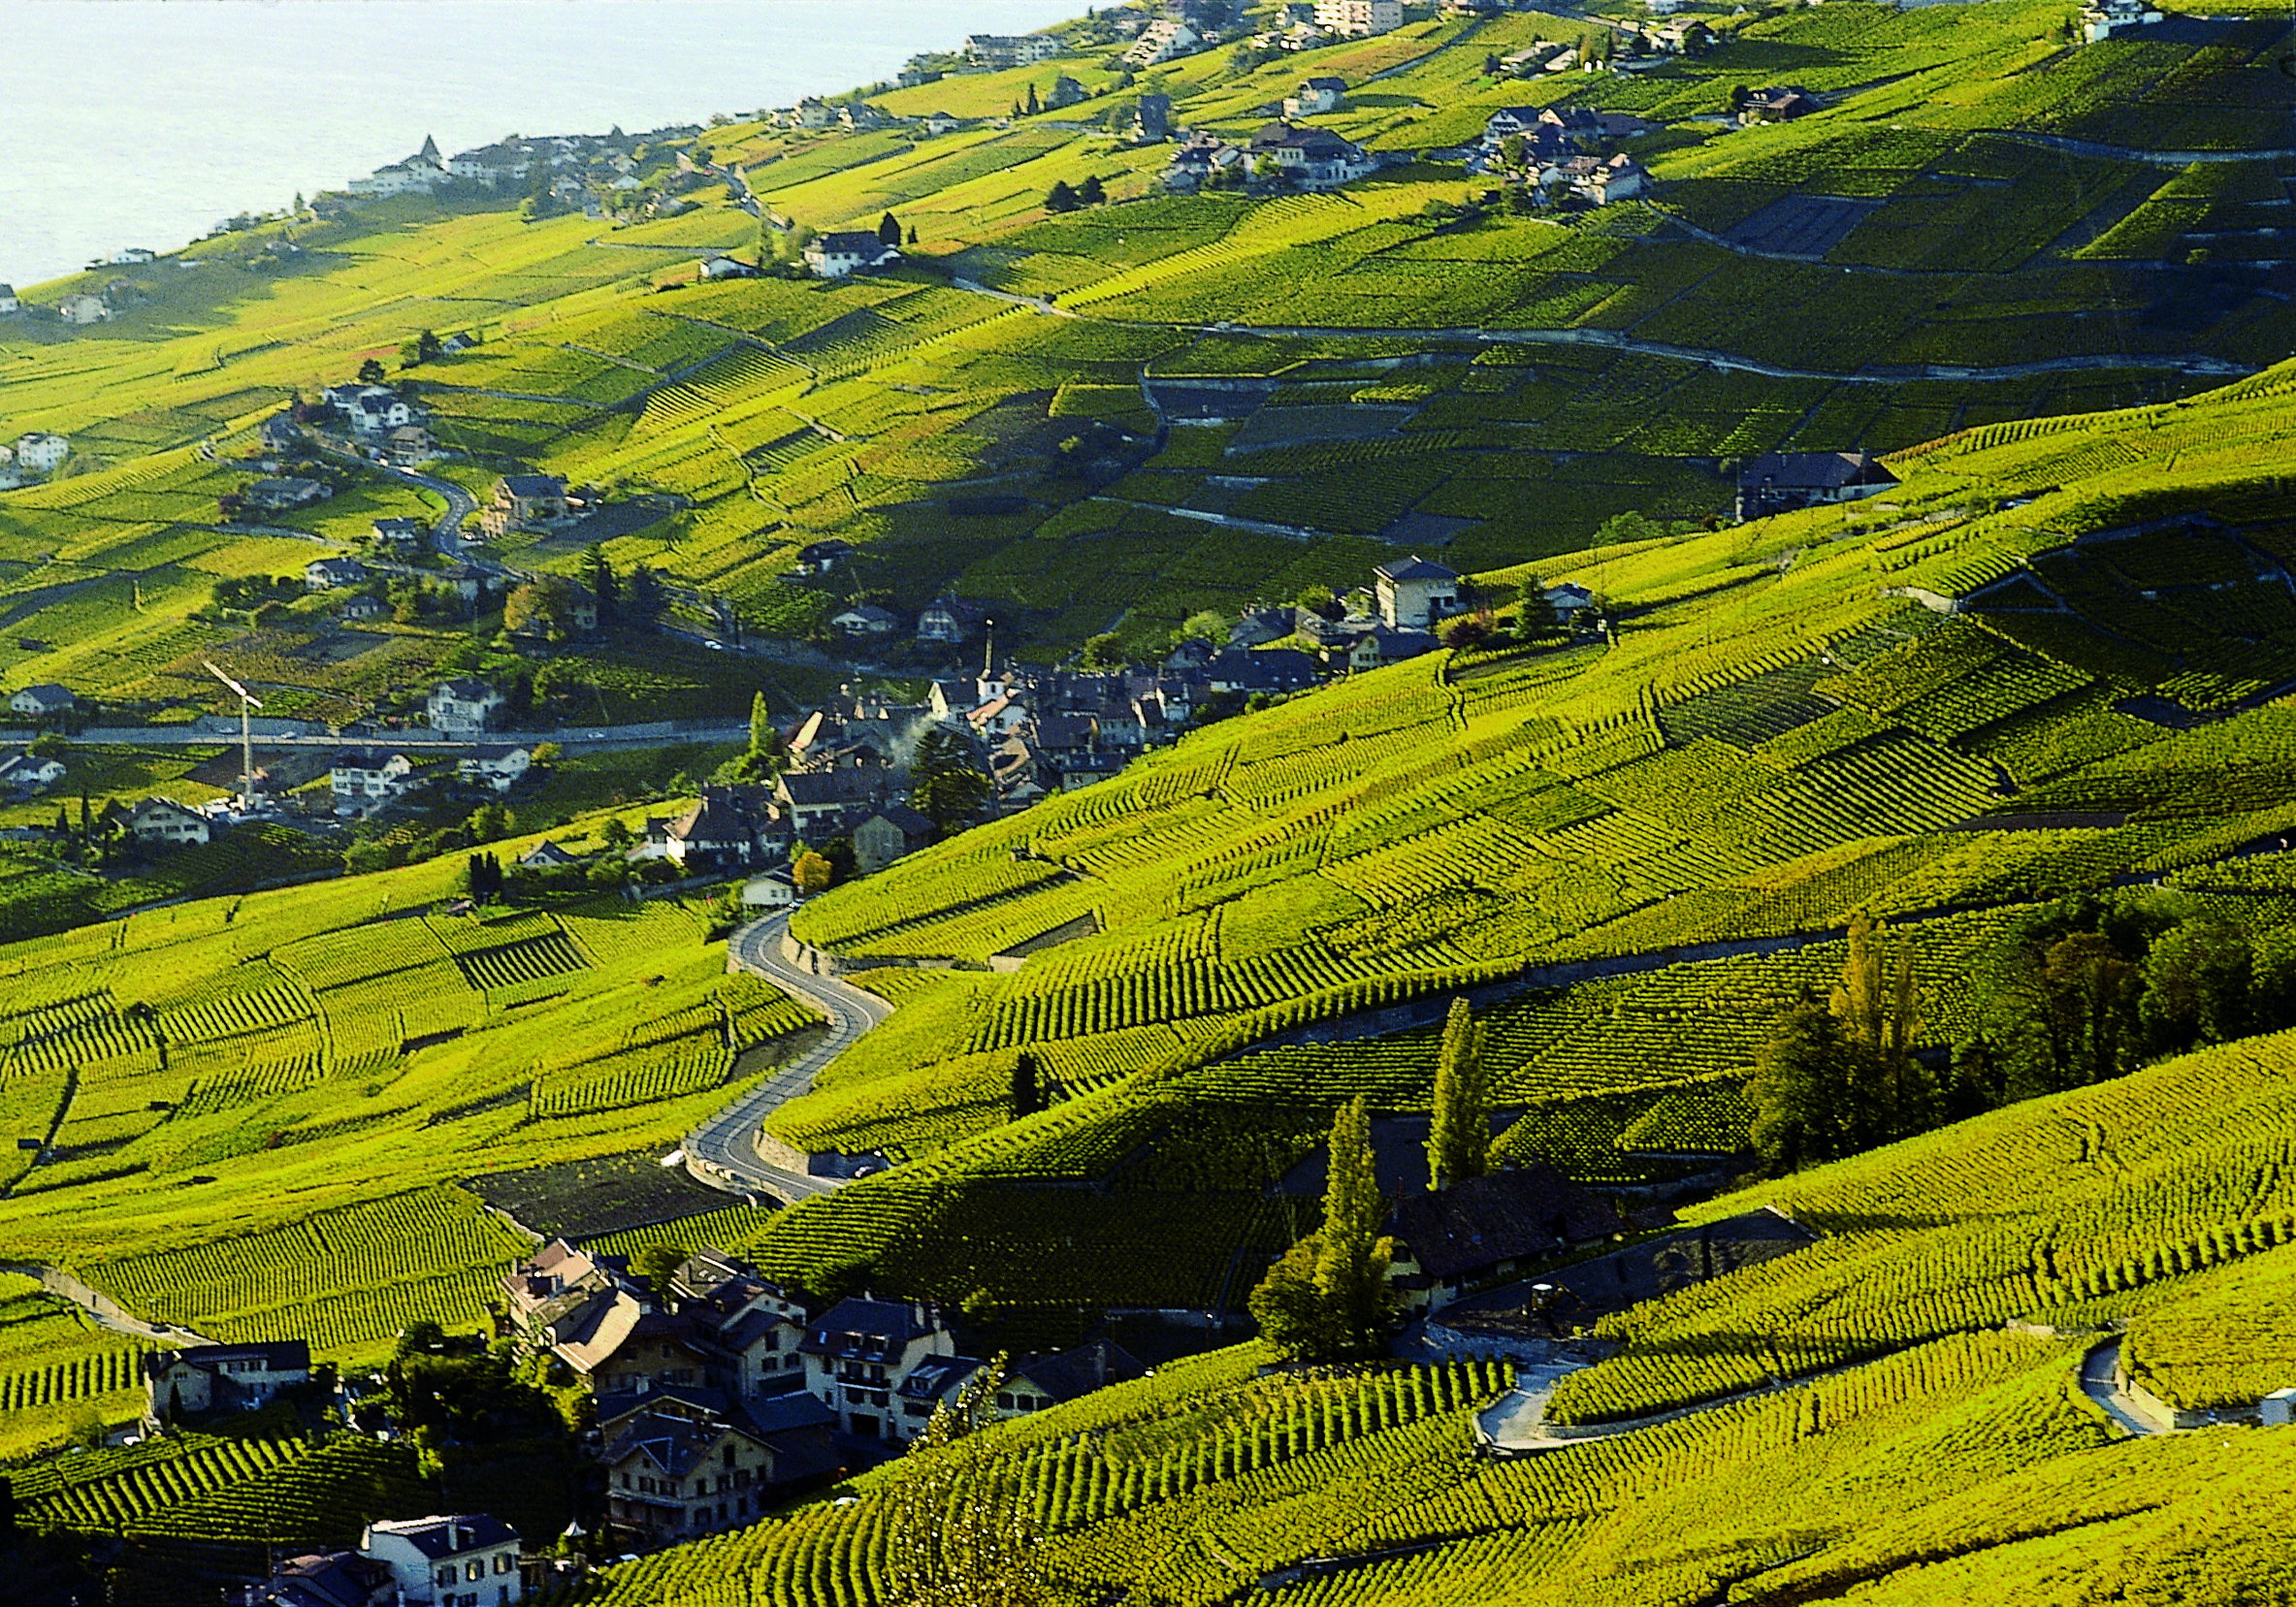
1415 594
774 890
462 706
40 452
865 619
832 256
132 256
497 764
1314 97
1160 42
935 122
8 301
165 820
378 409
40 701
453 1562
371 777
28 773
324 574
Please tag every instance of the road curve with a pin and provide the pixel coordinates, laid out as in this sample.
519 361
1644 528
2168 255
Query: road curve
722 1152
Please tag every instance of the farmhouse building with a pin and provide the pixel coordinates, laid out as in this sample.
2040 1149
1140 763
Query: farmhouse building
844 251
327 1579
41 452
325 574
1314 97
42 701
950 620
83 310
7 300
993 52
671 1473
822 803
1777 104
449 1561
1159 42
462 706
727 828
1779 482
218 1378
1483 1228
363 776
164 820
1313 158
820 558
523 500
865 619
1414 593
400 536
288 493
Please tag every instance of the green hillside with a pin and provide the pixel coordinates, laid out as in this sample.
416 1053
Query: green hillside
1937 1458
1982 225
1635 851
246 1116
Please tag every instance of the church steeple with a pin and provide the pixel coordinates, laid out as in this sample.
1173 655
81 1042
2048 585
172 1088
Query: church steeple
429 152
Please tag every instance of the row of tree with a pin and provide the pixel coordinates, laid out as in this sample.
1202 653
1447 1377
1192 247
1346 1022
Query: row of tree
2078 991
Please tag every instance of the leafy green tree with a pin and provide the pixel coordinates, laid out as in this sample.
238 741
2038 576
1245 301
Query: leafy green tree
1101 654
371 371
948 790
1327 1300
1459 1134
888 230
1514 151
1028 1088
1204 625
1799 1087
2198 985
1034 105
1060 198
812 873
1092 192
655 1263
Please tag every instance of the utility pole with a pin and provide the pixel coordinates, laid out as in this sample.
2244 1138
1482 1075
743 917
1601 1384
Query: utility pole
247 700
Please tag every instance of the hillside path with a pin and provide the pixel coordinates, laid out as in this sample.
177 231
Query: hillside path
2100 1372
107 1312
722 1152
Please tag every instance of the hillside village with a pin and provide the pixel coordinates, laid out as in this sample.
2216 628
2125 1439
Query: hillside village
1360 803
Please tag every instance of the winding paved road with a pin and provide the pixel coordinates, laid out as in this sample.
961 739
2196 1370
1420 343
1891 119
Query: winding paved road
722 1152
2100 1372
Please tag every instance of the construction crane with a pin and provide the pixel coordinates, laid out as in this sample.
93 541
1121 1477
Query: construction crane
247 700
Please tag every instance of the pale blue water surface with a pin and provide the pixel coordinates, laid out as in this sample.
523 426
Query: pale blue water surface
142 122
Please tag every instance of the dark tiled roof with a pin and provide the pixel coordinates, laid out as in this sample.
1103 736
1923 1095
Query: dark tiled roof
864 1328
280 1355
451 1536
1071 1373
1815 471
1414 568
1483 1221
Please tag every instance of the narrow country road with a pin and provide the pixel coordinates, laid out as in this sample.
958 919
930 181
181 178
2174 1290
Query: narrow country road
722 1152
2100 1371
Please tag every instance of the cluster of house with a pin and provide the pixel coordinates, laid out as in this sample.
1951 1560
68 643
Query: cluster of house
1564 150
719 1394
34 454
376 417
1282 153
579 163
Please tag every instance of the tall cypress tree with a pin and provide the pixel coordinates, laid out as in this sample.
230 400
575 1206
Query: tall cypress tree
1459 1134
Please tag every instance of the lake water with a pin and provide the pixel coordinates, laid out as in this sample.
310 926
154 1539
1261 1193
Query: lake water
142 122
